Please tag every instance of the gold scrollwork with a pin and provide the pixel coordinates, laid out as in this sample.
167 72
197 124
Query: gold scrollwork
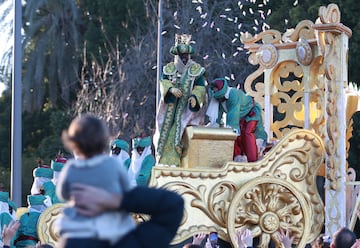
329 14
268 37
303 30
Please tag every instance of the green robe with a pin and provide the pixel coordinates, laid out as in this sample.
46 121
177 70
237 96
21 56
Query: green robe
176 113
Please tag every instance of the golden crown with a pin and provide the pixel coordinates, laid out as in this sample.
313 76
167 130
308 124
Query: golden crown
182 39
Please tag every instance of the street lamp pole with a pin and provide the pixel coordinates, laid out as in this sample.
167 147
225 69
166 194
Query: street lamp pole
159 54
16 127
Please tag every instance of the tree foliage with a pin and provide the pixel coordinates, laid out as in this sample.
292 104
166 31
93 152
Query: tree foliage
51 45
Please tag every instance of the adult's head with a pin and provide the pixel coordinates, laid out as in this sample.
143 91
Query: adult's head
219 87
140 143
343 238
182 47
119 145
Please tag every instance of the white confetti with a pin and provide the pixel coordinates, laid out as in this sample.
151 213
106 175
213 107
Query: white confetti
230 19
199 9
200 1
163 32
235 53
232 76
194 1
256 22
218 29
175 13
244 13
295 3
191 21
239 26
212 24
286 21
203 16
154 67
222 16
206 56
240 48
223 55
255 28
251 11
268 12
234 40
176 26
236 19
265 27
227 78
228 9
204 25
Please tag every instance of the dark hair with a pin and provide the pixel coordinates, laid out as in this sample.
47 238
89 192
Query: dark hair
45 246
190 245
344 238
88 134
321 241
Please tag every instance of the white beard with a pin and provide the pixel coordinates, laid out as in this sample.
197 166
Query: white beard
180 65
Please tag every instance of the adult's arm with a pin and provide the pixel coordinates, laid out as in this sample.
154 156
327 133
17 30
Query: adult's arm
165 209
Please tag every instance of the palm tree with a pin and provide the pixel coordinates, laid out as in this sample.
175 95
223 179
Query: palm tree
51 52
6 23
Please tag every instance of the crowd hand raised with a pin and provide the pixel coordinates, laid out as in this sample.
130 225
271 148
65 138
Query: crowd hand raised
208 243
192 101
198 238
285 239
91 201
244 238
9 231
356 244
176 92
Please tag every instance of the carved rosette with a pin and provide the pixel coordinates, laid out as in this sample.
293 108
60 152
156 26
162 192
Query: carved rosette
304 52
266 205
267 55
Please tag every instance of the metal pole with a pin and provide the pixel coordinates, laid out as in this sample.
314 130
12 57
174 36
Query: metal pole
159 54
16 128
